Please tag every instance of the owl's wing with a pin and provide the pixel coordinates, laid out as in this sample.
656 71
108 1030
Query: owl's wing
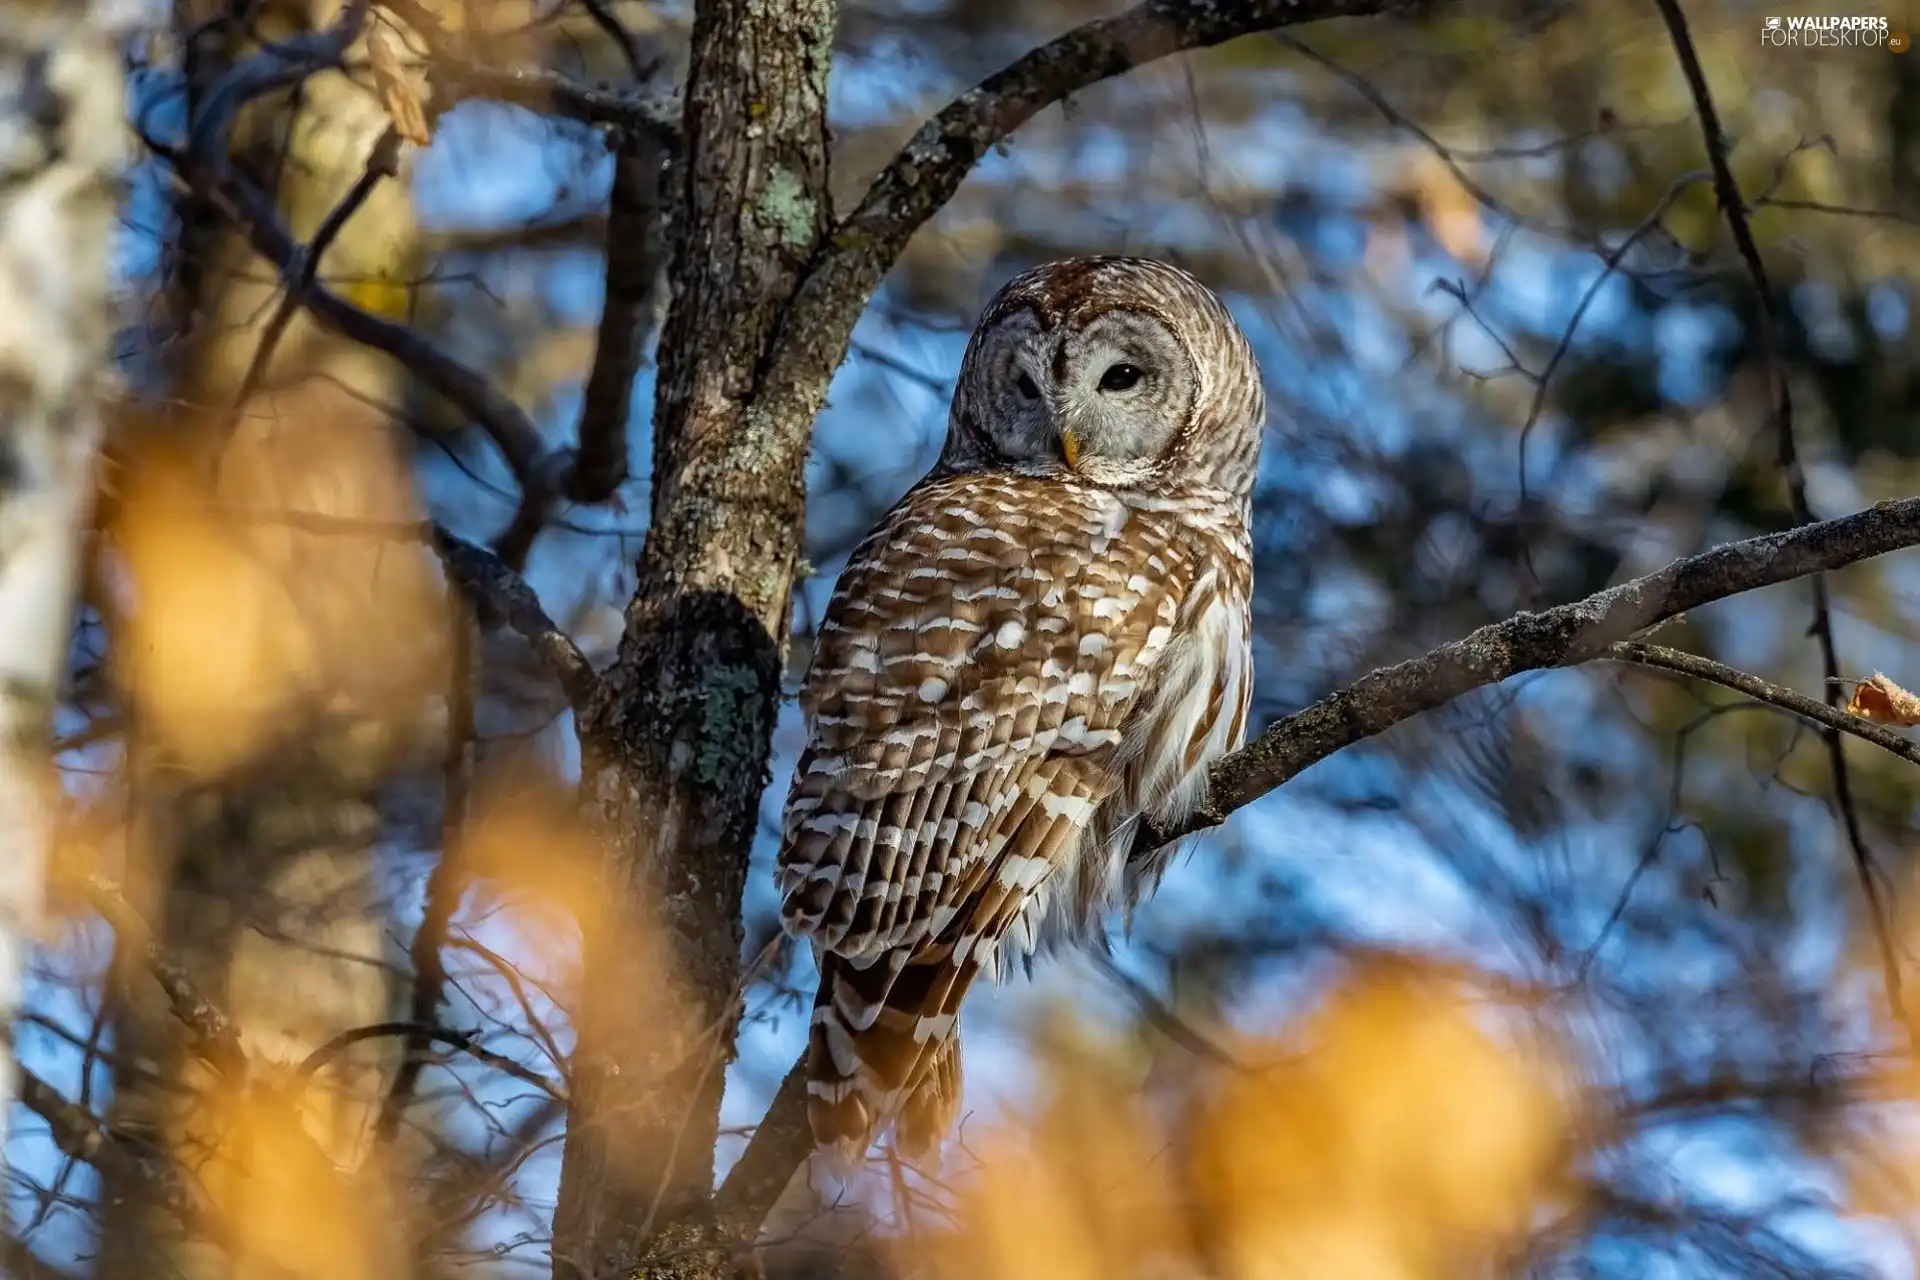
967 705
970 685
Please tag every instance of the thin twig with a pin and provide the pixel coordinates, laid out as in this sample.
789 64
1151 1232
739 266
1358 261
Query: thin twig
304 267
445 886
1821 713
467 1042
616 30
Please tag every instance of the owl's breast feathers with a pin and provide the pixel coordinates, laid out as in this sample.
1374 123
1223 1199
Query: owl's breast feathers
1010 672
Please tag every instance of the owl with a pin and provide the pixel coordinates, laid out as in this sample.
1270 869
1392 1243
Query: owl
1044 642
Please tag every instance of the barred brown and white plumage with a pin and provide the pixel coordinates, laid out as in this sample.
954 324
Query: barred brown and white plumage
1045 640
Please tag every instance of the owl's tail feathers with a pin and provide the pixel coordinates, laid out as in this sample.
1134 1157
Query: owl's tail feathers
884 1050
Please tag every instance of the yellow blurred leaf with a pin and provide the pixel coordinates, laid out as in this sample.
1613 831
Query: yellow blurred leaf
1397 1139
271 599
1392 1136
283 1206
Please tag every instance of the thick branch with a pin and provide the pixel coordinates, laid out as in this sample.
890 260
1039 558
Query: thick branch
930 168
1560 637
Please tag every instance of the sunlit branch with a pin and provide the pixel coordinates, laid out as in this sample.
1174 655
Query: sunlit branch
1558 637
930 168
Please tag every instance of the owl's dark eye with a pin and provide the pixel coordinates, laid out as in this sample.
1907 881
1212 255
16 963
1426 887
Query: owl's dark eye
1119 377
1027 387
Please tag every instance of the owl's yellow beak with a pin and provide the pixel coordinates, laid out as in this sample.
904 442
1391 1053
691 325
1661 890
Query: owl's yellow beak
1069 447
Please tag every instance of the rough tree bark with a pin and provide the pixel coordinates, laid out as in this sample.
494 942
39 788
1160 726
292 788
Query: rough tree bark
63 145
675 753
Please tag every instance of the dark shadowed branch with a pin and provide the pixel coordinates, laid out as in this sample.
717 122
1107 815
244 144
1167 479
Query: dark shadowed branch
446 884
632 244
80 1134
492 584
1820 713
251 210
304 267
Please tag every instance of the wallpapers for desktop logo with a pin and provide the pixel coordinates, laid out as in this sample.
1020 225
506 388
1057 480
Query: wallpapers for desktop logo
1849 32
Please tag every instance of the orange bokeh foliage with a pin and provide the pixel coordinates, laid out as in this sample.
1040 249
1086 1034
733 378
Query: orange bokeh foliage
1391 1134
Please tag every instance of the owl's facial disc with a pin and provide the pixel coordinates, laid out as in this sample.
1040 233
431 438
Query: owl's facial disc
1101 400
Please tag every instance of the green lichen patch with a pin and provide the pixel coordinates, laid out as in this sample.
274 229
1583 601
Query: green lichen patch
787 211
733 730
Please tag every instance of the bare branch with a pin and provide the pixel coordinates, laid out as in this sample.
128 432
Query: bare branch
275 66
445 887
929 169
205 167
487 579
1558 637
616 31
304 267
77 1132
780 1144
454 78
506 424
215 1039
633 216
1688 664
467 1042
599 466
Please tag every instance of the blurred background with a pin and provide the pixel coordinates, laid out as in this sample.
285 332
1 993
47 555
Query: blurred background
1575 977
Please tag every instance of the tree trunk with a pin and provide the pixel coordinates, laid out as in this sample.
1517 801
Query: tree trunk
676 755
254 857
60 165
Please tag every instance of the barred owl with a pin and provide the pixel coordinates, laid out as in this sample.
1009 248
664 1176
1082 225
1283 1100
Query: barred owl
1045 641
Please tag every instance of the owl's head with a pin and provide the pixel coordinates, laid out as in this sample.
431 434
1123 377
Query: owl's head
1119 372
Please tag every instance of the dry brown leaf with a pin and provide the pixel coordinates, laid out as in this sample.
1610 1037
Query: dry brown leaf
396 91
1884 702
